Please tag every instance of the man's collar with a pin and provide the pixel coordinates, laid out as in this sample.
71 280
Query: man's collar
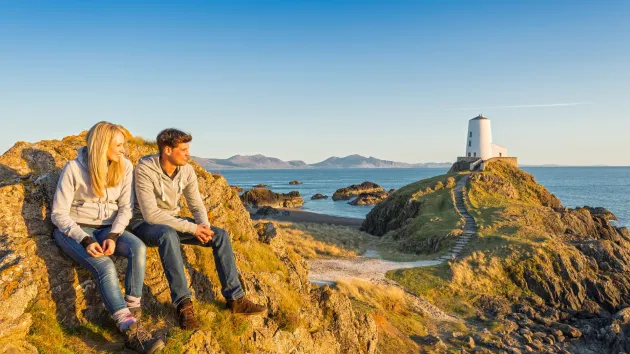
174 173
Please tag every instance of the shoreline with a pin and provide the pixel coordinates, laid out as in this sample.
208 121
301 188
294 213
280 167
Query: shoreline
297 215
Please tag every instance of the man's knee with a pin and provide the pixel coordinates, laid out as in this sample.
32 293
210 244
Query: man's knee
220 235
168 235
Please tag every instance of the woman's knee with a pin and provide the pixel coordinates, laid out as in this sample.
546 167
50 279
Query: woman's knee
139 253
103 268
138 248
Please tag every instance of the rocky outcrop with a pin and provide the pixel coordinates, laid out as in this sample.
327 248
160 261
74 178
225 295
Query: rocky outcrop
356 189
267 211
238 189
40 283
259 197
369 198
394 214
260 185
295 182
573 285
319 196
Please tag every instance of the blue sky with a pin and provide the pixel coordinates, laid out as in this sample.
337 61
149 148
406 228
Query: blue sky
309 79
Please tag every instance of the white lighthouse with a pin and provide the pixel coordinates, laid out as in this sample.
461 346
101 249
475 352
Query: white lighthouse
479 140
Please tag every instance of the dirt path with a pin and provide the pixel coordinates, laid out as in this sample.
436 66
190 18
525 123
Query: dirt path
328 271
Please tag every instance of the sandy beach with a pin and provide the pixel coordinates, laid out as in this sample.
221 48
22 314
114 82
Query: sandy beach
297 215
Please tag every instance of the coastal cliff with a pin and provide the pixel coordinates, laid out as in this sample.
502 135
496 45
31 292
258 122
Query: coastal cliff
536 276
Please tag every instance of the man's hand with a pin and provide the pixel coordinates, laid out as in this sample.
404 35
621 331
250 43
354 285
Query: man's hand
108 247
204 234
94 250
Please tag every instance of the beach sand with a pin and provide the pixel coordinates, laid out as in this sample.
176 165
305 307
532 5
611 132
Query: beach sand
297 215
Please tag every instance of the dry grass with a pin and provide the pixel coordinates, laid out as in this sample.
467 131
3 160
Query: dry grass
48 336
381 297
323 241
312 241
390 307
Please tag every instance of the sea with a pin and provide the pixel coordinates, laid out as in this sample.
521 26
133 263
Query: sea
607 187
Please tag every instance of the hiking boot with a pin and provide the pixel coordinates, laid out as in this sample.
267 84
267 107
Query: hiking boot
186 315
140 341
136 312
244 307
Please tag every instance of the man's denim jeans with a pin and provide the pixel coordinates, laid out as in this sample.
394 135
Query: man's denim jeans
103 268
168 242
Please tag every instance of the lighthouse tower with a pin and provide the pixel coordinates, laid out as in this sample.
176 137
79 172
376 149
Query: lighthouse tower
479 140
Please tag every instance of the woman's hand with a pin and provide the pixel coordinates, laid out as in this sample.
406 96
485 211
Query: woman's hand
108 247
94 250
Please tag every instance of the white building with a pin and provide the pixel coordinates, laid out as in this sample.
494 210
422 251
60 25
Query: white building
479 140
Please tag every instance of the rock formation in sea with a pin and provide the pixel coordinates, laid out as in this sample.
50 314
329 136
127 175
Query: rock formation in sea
371 198
356 189
259 197
319 196
45 298
295 182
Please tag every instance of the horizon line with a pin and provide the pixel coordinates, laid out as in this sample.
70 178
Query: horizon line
566 104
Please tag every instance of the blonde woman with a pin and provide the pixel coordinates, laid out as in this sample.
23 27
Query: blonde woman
91 209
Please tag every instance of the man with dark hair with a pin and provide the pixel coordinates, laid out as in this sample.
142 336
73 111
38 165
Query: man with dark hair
160 180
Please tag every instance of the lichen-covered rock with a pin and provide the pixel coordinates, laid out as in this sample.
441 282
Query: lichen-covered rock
356 189
266 231
33 270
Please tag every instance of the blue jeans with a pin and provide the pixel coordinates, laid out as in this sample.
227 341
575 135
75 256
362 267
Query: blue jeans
168 242
103 268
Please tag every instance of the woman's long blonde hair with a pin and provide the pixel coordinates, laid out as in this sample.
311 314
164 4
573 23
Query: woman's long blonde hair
103 173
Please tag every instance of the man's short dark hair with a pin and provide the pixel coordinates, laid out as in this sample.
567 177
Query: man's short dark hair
172 137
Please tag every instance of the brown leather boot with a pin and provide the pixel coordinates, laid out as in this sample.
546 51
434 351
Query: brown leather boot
244 307
186 315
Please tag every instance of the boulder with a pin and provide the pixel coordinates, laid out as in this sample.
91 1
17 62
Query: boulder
295 182
356 189
372 198
259 197
267 211
266 231
319 196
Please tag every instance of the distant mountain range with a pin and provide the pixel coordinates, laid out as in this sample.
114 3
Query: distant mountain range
352 161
